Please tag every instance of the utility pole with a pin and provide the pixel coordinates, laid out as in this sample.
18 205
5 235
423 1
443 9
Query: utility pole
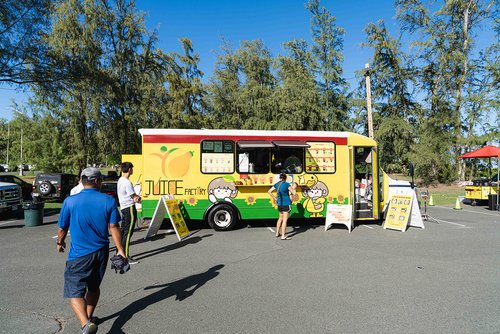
8 141
369 100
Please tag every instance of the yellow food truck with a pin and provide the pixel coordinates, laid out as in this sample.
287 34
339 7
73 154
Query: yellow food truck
222 176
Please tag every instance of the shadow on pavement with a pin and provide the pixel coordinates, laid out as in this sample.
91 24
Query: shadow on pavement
11 226
181 289
182 243
300 229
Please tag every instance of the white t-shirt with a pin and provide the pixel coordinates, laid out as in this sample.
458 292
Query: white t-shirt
125 191
76 189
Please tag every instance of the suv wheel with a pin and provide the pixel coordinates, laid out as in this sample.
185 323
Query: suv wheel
45 188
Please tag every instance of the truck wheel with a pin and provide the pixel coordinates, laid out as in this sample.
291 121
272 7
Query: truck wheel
45 188
222 217
143 223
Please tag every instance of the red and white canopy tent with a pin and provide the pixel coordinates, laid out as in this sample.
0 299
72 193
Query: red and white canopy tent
487 152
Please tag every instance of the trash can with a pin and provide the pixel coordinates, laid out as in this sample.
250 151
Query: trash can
33 213
492 202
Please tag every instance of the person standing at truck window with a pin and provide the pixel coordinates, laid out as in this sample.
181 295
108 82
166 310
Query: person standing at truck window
89 216
283 201
127 198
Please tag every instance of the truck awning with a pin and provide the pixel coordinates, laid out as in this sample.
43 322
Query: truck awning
291 143
255 144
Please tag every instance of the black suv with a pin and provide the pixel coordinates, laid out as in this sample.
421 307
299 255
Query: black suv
54 185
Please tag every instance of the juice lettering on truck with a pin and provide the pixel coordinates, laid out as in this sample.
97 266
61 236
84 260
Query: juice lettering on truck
222 176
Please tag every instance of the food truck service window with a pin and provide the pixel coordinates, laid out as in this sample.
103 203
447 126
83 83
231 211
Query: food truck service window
217 156
253 156
288 156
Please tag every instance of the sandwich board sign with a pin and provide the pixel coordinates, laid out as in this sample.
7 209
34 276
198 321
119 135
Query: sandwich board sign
398 212
403 188
168 204
338 214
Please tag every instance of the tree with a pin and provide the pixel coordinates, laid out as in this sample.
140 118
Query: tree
186 92
223 90
22 24
73 48
258 83
447 66
396 111
135 73
327 49
296 97
110 78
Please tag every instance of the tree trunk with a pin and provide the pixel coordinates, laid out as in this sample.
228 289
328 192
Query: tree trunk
460 86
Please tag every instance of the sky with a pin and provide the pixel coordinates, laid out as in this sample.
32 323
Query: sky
272 21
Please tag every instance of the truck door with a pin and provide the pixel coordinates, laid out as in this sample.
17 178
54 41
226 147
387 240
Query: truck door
365 179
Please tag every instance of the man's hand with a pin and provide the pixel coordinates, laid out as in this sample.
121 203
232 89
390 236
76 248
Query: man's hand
61 247
117 239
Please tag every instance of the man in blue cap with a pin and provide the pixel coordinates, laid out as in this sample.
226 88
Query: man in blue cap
89 215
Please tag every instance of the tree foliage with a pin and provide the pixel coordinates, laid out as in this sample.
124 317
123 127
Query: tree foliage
448 73
97 77
22 24
327 49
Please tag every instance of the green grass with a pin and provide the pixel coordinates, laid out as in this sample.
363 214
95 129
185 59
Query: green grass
446 196
442 194
52 205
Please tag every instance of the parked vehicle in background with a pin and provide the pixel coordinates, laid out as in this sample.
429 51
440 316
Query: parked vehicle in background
2 169
26 188
54 185
110 188
10 197
111 176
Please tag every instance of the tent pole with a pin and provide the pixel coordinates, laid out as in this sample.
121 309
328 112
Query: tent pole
498 181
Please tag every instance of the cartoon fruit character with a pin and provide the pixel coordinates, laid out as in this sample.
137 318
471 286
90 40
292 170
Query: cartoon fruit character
308 180
179 166
164 157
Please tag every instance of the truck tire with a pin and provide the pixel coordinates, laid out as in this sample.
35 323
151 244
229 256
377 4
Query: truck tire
222 217
143 223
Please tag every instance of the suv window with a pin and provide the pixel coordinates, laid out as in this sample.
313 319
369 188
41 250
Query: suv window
48 177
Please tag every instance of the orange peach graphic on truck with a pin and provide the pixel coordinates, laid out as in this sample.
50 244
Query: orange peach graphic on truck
163 156
179 166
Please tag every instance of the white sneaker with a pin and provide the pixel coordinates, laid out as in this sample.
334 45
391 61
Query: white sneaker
131 260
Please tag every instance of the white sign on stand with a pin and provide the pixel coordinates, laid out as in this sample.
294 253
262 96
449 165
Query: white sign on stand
158 216
338 214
